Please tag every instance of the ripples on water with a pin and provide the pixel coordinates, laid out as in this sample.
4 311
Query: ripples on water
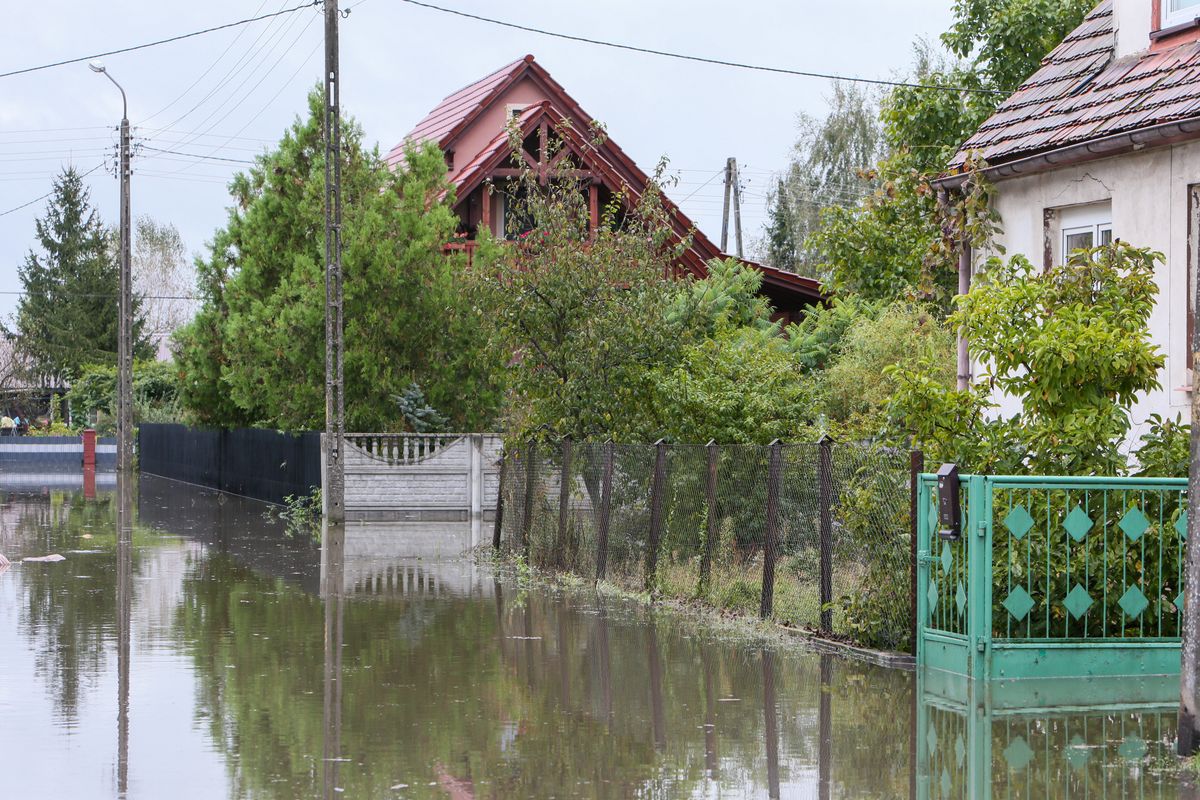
206 654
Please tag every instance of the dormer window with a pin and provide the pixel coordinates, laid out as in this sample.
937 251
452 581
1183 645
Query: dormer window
1179 12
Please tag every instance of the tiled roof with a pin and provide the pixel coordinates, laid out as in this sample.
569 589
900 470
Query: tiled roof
1081 93
449 116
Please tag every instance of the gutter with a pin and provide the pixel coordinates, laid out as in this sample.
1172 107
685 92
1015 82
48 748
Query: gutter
1105 147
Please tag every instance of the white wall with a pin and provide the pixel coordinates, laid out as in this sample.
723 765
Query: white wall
1133 21
1149 196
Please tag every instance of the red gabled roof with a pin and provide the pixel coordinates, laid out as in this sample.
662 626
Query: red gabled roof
456 112
1081 93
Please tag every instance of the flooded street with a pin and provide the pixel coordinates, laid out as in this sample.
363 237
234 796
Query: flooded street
211 655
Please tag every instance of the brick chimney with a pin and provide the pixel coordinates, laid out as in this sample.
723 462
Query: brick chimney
1134 21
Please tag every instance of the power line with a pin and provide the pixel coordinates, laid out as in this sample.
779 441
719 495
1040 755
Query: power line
178 38
701 59
197 155
47 194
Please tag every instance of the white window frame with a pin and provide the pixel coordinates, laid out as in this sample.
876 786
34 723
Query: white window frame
1095 218
1182 16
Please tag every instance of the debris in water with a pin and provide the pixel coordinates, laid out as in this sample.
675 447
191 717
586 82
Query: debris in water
50 559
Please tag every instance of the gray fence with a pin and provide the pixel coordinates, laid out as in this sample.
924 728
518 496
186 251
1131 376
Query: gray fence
817 535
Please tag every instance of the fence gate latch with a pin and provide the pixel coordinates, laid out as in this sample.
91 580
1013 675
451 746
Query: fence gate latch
982 527
980 643
923 557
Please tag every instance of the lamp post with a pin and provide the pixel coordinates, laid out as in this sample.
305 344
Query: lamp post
124 298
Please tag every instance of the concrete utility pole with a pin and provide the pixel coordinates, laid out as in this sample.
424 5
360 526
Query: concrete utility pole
334 488
1188 740
725 207
732 190
124 297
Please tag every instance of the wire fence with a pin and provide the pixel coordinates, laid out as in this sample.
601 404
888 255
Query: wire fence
816 536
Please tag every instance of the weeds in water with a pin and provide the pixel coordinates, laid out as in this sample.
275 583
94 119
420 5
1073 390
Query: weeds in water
300 514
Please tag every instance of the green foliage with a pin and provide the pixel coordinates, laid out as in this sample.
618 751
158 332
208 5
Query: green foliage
67 317
1071 344
93 396
419 416
857 386
1165 449
255 354
817 339
740 386
899 242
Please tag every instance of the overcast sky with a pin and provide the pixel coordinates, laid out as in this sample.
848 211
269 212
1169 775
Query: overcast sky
231 93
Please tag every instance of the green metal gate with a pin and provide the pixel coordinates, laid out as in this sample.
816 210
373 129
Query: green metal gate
1055 579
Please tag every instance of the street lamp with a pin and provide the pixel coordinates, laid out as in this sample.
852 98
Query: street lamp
125 297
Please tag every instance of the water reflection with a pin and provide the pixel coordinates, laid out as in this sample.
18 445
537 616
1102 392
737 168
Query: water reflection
240 662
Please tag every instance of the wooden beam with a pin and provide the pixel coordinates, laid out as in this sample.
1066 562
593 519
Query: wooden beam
594 207
486 218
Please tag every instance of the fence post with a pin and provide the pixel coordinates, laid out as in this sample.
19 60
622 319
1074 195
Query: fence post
825 482
657 488
498 528
770 541
916 465
564 500
711 532
605 511
530 479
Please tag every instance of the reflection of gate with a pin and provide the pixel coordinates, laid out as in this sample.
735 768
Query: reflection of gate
1055 579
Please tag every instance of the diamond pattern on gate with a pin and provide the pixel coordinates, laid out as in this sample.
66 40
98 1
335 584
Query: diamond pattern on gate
1018 754
932 596
1078 752
960 599
1078 601
1134 523
1179 602
1078 523
1181 525
1018 522
1133 602
1018 603
947 557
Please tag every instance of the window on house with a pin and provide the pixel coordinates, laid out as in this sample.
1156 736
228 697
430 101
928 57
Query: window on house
1180 12
1086 226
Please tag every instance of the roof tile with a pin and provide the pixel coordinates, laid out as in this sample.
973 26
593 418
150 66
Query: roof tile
1081 92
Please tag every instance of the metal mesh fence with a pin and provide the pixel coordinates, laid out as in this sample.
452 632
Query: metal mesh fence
811 535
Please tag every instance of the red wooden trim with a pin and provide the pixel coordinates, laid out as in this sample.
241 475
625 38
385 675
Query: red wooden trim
594 206
487 208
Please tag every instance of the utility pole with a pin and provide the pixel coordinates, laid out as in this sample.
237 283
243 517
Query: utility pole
334 479
1188 740
732 190
124 296
725 207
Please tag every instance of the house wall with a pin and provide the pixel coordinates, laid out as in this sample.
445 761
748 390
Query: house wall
1149 196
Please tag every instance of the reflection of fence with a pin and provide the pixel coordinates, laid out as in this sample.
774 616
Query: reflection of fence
1054 577
813 535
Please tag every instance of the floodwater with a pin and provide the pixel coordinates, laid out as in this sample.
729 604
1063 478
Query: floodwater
204 653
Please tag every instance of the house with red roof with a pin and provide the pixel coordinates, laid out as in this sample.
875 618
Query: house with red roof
1103 142
472 128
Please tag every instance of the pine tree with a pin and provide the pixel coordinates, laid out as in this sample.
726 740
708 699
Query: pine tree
67 317
781 236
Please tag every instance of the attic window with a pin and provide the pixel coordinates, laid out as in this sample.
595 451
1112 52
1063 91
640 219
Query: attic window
513 110
1179 12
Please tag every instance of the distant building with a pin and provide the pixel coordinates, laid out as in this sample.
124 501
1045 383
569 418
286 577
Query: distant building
471 128
1103 141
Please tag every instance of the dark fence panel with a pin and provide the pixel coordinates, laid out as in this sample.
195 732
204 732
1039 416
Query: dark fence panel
261 464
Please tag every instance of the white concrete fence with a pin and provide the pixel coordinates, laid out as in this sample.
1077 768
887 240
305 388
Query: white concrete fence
406 477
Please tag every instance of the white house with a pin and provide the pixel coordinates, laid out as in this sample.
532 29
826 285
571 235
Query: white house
1103 141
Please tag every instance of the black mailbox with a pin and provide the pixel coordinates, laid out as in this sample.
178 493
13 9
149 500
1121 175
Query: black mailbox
948 508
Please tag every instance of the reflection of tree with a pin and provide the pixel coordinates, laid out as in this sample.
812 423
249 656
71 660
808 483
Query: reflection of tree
525 696
69 618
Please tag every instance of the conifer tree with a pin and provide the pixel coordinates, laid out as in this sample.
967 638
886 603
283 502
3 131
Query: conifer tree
67 317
